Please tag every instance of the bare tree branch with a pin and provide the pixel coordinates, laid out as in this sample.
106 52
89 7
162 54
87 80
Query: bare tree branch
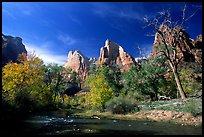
178 61
184 12
184 19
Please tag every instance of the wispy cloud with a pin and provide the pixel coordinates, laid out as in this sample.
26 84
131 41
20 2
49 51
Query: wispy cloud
21 8
119 16
66 39
128 12
7 12
119 26
75 20
26 12
45 54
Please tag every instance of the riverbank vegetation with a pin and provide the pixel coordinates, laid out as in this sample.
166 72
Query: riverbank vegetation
30 87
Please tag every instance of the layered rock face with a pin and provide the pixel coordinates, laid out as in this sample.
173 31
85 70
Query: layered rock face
78 63
11 48
197 50
188 49
113 53
184 45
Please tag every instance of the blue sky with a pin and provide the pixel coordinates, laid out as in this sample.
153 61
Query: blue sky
52 29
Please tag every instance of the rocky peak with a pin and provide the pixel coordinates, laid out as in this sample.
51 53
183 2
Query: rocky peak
92 60
114 53
78 63
188 49
198 42
11 48
199 38
184 45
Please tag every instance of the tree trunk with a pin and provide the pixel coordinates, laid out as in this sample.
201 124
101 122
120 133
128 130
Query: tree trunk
152 96
178 82
55 97
180 88
156 97
56 90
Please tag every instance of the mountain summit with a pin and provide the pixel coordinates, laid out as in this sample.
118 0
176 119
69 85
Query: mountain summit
78 63
114 53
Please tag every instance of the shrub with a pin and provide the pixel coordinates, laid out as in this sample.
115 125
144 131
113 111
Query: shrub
82 100
121 105
71 102
58 101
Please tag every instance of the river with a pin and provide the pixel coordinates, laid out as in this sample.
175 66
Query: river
67 125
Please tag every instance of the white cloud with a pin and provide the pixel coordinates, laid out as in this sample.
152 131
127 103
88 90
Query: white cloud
66 39
47 56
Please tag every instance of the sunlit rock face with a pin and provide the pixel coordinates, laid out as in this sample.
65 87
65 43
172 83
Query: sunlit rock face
184 46
113 53
197 50
78 63
11 48
188 49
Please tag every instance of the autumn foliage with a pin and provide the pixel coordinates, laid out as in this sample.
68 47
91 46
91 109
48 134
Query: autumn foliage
23 83
100 91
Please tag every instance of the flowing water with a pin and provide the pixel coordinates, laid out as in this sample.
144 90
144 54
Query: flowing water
66 125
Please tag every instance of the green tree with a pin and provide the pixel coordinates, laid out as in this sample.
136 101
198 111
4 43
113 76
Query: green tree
169 87
56 80
112 75
129 80
74 78
144 79
189 82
